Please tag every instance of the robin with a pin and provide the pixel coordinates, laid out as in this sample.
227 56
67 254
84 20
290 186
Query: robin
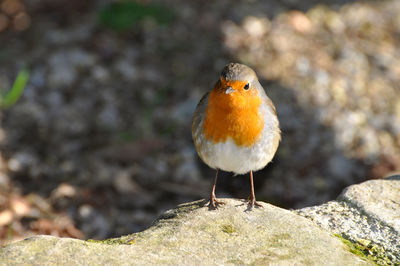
235 127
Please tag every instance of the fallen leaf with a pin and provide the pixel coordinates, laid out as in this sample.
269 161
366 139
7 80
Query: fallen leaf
6 217
20 206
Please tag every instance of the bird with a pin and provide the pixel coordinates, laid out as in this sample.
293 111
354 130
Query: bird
235 127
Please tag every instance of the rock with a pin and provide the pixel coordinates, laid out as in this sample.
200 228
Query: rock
379 199
364 218
194 235
367 214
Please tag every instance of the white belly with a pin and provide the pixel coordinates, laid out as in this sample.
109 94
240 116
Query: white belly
229 157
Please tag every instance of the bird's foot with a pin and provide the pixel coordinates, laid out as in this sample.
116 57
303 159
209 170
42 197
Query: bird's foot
214 203
252 202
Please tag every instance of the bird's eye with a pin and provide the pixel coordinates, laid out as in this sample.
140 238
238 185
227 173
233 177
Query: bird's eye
247 86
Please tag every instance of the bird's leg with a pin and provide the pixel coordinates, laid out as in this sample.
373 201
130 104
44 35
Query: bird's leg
213 200
252 198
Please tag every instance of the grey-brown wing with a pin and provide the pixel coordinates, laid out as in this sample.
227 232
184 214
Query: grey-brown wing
264 95
199 113
270 104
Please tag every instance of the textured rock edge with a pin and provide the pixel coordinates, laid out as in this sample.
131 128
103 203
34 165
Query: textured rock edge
362 231
288 241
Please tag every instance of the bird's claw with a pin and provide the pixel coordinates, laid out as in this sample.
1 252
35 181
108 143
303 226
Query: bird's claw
214 203
252 202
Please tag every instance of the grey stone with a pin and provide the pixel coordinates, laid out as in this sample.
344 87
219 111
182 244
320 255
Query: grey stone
379 199
367 214
194 235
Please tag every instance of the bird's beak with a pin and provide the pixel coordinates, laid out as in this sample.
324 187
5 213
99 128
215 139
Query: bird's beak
229 90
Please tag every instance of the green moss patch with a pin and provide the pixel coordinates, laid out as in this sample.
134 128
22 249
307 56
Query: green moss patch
121 15
367 250
228 228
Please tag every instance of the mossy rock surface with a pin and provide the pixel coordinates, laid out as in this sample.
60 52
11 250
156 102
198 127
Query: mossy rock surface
192 234
367 217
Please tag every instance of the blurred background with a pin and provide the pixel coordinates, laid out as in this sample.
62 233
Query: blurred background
97 96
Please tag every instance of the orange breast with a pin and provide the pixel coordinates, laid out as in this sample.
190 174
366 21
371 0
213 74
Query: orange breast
233 115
